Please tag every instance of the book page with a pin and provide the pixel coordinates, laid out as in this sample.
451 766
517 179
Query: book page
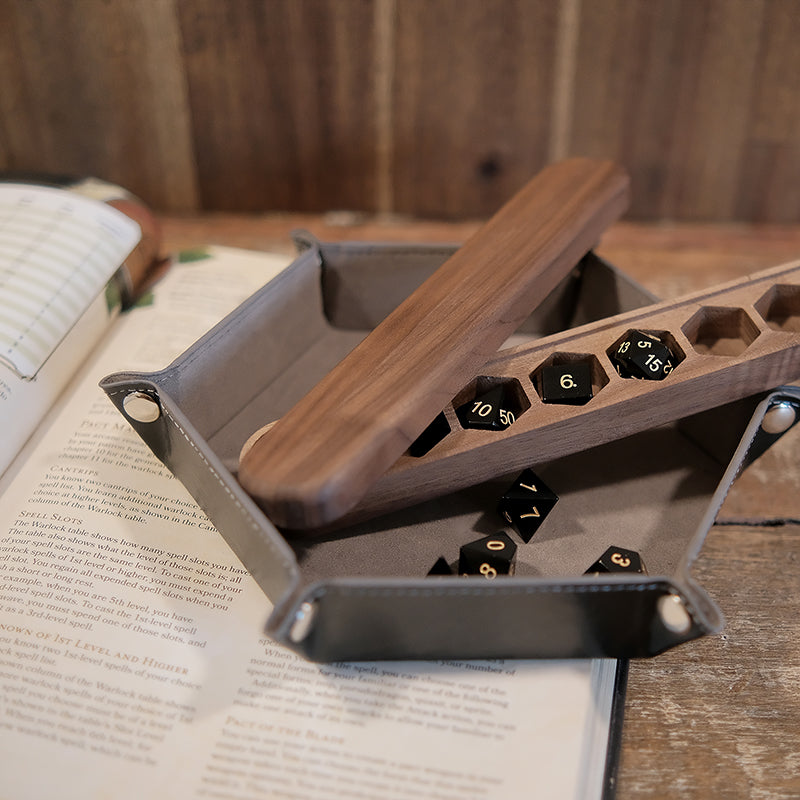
132 658
58 252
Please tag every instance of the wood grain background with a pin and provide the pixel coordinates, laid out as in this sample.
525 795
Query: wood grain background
431 108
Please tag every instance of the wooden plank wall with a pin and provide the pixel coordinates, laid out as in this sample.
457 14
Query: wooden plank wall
435 108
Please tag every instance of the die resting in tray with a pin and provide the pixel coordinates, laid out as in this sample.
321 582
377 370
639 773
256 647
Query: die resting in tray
365 592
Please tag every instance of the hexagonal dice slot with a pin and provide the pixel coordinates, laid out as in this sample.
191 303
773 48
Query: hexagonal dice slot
720 331
569 378
780 308
490 404
645 354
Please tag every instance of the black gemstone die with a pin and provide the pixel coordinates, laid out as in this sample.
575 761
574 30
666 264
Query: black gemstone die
526 503
642 355
569 384
430 437
618 559
490 411
441 567
490 556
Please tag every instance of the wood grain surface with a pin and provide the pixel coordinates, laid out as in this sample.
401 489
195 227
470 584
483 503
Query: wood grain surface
95 88
621 406
440 108
283 107
319 458
500 65
721 717
718 717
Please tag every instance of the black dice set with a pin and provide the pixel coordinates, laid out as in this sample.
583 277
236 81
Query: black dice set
441 567
565 379
643 355
524 505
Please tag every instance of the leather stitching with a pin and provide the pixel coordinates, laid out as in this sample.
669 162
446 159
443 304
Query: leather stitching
249 518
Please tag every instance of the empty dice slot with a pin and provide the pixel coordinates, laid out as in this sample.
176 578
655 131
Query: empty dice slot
491 404
645 354
569 378
720 331
780 308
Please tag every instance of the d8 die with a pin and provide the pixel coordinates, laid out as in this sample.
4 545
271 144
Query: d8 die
526 504
490 556
642 355
618 559
568 384
488 412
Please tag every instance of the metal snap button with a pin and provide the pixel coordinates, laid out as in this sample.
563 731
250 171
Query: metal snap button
141 407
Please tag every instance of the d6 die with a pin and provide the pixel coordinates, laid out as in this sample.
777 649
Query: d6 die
526 504
568 384
490 556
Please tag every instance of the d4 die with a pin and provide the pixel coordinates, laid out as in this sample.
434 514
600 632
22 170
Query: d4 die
440 567
618 559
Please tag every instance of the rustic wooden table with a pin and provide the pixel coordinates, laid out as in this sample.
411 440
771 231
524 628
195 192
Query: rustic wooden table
719 717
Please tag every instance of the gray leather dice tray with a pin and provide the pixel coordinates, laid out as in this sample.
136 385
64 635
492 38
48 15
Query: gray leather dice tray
363 593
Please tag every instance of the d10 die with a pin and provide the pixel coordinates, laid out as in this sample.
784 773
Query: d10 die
488 412
568 384
618 559
526 503
490 556
641 355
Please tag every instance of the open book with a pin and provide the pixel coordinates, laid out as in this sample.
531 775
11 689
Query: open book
132 658
70 258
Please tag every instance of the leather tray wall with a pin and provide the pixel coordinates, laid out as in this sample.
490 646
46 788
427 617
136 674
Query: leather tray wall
363 593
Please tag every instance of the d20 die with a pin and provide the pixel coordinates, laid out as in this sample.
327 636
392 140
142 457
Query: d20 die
490 556
642 355
568 384
487 412
526 503
618 559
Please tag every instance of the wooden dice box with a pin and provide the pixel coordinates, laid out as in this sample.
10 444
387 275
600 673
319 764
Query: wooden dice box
363 591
